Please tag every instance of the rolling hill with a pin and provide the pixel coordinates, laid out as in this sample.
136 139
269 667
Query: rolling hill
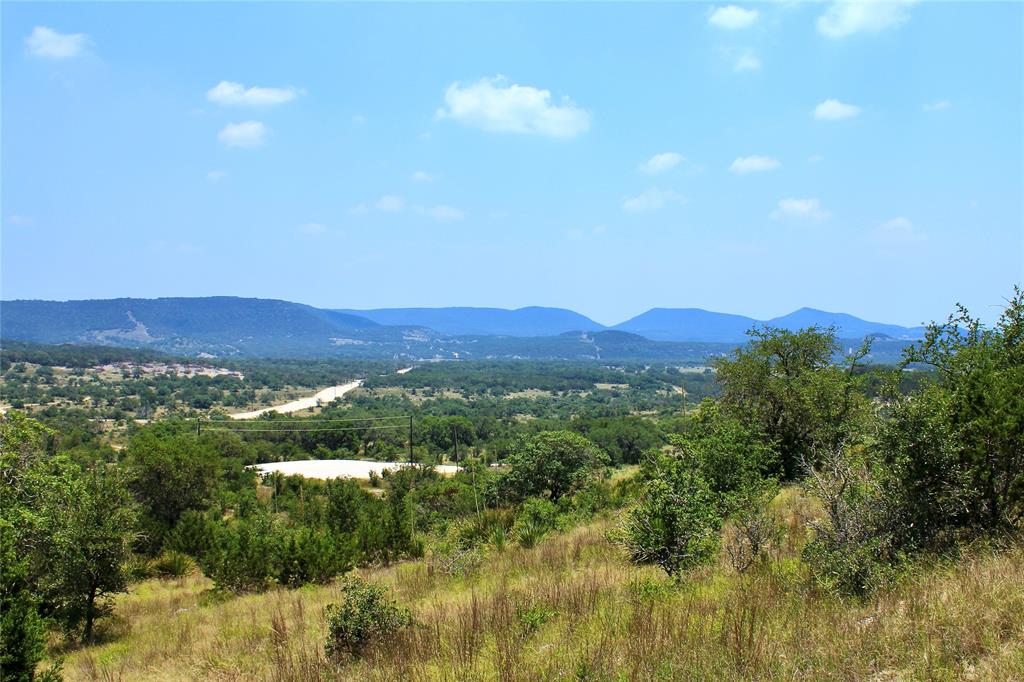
529 321
250 327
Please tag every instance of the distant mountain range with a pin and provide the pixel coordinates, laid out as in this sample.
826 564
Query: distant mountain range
229 326
531 321
657 324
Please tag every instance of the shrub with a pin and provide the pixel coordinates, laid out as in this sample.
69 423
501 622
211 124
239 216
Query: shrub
243 557
676 524
172 564
364 618
536 518
755 528
856 549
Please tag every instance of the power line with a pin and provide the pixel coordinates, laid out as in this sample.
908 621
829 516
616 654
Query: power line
310 421
340 428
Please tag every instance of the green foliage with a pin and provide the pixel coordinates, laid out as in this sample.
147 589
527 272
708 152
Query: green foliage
364 618
308 555
730 454
786 386
675 526
551 464
244 556
957 448
90 544
171 474
172 564
536 518
22 632
856 549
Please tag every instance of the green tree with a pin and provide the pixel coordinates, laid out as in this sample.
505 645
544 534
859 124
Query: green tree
957 448
22 631
171 474
551 464
733 456
787 385
91 533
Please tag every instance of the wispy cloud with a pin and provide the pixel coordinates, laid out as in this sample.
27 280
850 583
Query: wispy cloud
652 199
244 134
390 203
494 105
800 209
216 175
746 60
661 163
898 231
49 44
229 93
937 106
19 220
754 164
834 110
847 17
422 176
732 17
441 213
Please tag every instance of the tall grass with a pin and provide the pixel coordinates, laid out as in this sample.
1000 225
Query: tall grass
572 608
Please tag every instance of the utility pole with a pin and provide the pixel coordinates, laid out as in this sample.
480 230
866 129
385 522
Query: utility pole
410 439
455 440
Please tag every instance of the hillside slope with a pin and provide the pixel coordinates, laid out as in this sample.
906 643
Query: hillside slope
573 608
456 321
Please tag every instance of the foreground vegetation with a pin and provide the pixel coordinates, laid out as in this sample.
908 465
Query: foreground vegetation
738 538
573 607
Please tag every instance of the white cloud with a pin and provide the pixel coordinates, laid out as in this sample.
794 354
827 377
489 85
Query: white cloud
815 158
834 110
732 17
441 213
390 203
45 42
244 134
660 163
312 228
652 199
236 94
937 106
754 164
216 175
358 119
746 60
800 209
898 231
847 17
493 105
422 176
19 220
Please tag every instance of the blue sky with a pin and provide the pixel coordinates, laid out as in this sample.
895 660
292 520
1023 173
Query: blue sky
607 158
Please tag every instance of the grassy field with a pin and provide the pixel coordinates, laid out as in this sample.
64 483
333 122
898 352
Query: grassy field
572 608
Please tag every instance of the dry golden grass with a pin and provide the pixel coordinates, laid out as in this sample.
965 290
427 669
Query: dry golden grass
572 608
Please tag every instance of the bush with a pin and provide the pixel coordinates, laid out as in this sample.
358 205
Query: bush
536 518
365 618
243 558
856 550
676 524
172 564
